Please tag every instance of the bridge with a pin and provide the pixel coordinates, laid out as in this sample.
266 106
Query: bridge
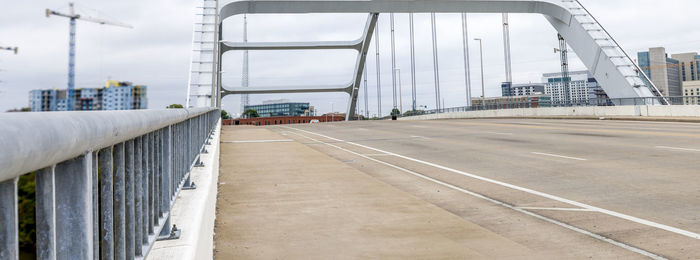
490 182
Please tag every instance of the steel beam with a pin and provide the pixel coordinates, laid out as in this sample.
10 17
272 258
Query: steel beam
360 64
277 90
336 45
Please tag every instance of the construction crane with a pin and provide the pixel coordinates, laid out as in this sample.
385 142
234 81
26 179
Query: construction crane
71 51
15 49
564 57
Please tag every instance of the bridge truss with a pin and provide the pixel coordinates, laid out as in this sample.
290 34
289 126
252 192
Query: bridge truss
612 67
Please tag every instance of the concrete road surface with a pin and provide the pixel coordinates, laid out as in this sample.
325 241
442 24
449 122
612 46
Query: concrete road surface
564 188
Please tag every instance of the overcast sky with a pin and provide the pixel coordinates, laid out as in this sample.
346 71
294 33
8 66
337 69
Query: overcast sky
156 52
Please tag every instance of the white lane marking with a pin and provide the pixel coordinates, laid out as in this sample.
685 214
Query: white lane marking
678 148
377 154
497 133
530 191
556 209
259 141
498 202
560 156
420 137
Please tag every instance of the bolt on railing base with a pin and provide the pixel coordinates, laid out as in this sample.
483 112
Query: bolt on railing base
189 185
169 233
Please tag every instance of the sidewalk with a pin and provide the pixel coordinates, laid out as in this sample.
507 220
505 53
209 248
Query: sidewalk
280 199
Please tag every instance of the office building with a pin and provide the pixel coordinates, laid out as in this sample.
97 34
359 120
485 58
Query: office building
533 101
114 96
689 65
530 89
663 71
691 92
583 89
282 107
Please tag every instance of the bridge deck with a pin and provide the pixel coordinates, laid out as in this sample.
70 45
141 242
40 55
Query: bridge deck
279 198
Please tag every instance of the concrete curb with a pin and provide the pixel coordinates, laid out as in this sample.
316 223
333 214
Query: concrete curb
194 211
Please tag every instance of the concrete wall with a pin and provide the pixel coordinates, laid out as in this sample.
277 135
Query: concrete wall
614 111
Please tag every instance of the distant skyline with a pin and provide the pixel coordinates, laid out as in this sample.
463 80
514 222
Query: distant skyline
156 52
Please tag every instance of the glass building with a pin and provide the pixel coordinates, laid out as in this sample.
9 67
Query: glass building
282 109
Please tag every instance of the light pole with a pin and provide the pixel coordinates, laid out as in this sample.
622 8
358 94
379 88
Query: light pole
481 55
332 113
400 90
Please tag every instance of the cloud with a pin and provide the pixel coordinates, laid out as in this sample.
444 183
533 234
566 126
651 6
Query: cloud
157 52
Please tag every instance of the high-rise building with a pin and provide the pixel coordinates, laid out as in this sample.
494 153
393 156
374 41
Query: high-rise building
583 88
689 65
114 96
663 71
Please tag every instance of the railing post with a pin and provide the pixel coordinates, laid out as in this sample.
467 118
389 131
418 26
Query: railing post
144 189
151 180
106 204
138 197
74 220
95 206
119 203
9 245
167 169
130 225
45 214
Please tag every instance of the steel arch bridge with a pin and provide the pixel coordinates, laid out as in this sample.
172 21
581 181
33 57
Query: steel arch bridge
619 76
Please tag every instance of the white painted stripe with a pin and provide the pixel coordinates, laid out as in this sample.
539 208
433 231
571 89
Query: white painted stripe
501 203
259 141
497 133
560 156
556 209
678 148
530 191
377 154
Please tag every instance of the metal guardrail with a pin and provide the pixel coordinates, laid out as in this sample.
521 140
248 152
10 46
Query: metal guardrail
105 181
519 103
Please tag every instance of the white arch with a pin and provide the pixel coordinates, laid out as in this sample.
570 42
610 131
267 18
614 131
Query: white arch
610 65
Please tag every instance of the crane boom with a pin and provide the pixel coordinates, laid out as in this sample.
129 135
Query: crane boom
72 16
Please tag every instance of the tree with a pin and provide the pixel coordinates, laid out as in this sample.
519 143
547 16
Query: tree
225 115
24 109
250 113
175 106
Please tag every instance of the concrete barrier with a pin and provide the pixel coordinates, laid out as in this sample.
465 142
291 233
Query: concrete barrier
690 112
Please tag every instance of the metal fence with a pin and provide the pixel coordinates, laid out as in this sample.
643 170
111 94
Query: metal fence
105 181
520 103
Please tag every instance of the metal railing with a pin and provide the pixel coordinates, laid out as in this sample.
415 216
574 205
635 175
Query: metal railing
519 103
105 181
